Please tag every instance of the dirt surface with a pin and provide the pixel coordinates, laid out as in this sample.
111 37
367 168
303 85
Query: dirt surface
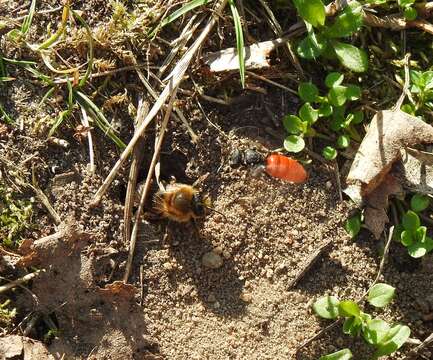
242 307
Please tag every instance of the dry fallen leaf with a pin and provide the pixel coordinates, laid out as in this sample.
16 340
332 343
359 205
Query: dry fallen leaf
389 132
375 213
119 289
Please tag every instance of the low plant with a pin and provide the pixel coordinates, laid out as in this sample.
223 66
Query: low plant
411 233
406 6
344 354
323 35
7 314
15 217
422 92
333 107
384 337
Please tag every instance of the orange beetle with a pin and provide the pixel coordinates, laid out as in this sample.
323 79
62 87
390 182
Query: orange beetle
285 168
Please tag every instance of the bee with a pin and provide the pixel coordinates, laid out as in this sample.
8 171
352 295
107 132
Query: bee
285 168
181 203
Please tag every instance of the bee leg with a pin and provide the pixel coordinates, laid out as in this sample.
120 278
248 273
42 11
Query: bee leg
196 229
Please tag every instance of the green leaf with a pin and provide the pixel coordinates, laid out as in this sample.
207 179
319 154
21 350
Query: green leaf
352 326
334 79
182 11
312 11
375 331
358 117
294 125
308 91
408 108
411 221
398 230
239 41
404 3
310 47
419 202
353 92
326 307
348 308
294 143
344 354
427 79
351 57
349 21
380 295
406 238
343 141
420 234
394 340
308 114
329 153
410 13
353 225
417 249
325 109
337 95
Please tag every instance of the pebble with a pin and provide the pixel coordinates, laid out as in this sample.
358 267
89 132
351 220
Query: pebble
212 260
246 296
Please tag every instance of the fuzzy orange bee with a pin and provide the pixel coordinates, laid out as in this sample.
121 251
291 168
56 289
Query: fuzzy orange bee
181 203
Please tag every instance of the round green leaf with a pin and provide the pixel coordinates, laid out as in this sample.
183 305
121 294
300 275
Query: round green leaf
375 331
348 308
410 13
408 108
334 79
352 326
325 109
326 307
380 295
310 48
358 117
406 238
329 153
308 114
420 234
343 141
344 354
353 225
411 221
419 202
353 92
312 11
308 91
394 340
294 143
349 21
417 250
294 125
337 95
351 57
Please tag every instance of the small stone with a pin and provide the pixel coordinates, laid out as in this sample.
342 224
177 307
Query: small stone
218 250
212 260
211 298
245 296
269 273
226 254
167 266
328 184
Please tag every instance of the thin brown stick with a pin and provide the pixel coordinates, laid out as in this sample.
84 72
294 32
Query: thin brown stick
379 273
309 263
338 180
43 199
415 352
15 283
133 172
146 187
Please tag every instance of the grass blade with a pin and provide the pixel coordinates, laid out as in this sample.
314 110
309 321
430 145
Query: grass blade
29 18
178 13
53 38
62 117
99 118
90 39
3 72
47 95
3 114
239 41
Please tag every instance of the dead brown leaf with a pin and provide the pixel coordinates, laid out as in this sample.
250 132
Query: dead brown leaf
119 290
375 213
389 133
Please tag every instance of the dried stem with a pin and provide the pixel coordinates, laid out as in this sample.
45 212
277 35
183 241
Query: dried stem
146 187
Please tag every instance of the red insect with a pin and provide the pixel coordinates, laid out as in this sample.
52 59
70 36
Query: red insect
285 168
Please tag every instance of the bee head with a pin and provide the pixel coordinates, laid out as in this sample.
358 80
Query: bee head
198 205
